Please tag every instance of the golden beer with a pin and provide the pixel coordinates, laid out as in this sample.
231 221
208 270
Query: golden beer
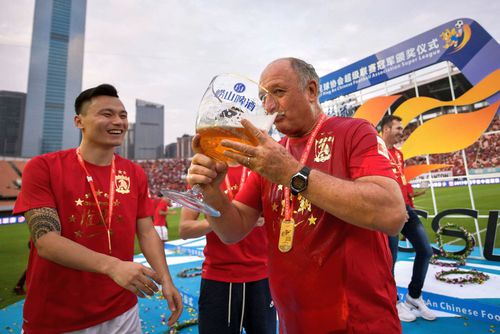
211 136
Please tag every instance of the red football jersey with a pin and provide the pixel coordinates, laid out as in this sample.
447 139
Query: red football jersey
160 220
337 276
245 261
398 166
409 190
60 299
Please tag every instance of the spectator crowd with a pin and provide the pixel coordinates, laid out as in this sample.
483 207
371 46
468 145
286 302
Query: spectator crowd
165 174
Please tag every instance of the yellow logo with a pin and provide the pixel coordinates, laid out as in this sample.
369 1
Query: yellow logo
122 183
456 37
323 149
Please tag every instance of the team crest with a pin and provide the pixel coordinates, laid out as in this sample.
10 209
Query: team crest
382 149
323 149
122 183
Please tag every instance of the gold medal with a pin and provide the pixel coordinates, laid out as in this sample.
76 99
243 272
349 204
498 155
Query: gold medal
286 235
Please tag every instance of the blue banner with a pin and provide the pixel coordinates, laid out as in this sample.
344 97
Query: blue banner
468 308
463 42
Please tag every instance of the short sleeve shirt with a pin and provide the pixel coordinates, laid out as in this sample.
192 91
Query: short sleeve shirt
337 276
245 261
61 299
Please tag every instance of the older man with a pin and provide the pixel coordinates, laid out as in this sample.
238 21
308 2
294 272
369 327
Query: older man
328 195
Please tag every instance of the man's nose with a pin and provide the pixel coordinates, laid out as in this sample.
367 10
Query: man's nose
270 104
116 119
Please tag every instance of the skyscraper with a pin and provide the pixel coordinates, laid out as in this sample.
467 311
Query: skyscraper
55 76
184 148
11 120
148 132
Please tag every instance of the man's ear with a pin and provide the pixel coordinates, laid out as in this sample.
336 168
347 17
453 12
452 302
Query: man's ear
78 121
313 90
386 128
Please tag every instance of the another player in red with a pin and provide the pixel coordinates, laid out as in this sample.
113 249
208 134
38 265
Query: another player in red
84 207
328 196
412 193
234 292
160 223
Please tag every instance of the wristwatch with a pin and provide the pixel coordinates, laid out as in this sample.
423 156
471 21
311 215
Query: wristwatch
299 181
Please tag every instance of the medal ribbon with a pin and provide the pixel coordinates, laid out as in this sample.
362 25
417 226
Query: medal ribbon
395 160
111 197
230 194
303 159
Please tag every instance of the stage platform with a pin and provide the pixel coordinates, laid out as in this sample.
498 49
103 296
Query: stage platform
460 309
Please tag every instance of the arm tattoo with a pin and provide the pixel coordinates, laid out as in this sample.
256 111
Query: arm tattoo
42 221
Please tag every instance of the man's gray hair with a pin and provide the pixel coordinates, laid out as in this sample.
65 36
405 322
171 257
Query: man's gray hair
305 71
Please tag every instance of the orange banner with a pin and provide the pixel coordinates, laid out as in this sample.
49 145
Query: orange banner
373 109
413 107
412 172
448 133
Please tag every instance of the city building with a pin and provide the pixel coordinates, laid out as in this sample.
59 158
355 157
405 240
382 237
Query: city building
126 149
11 119
55 76
149 130
171 150
184 149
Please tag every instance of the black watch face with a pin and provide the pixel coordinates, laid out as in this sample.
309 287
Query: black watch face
299 183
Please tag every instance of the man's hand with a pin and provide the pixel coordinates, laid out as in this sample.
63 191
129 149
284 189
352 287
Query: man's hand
174 301
205 171
268 158
134 277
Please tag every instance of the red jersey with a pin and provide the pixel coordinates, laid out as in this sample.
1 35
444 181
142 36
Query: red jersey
409 191
160 220
245 261
398 166
60 299
337 276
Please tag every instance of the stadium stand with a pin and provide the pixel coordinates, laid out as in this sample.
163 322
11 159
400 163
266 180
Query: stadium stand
18 166
165 174
9 180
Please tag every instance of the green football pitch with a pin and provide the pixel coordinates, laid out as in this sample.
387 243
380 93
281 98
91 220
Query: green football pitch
486 198
14 238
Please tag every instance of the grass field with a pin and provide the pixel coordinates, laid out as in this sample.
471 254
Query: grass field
14 250
487 197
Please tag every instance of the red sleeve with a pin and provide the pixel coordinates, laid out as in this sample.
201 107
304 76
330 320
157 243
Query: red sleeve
369 155
409 189
250 193
163 206
36 191
145 207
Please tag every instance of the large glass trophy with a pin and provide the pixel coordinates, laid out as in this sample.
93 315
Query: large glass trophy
228 99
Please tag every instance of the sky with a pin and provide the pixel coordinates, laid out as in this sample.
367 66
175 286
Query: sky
166 51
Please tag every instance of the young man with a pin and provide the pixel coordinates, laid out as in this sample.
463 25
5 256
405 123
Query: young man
328 195
234 291
413 230
83 208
